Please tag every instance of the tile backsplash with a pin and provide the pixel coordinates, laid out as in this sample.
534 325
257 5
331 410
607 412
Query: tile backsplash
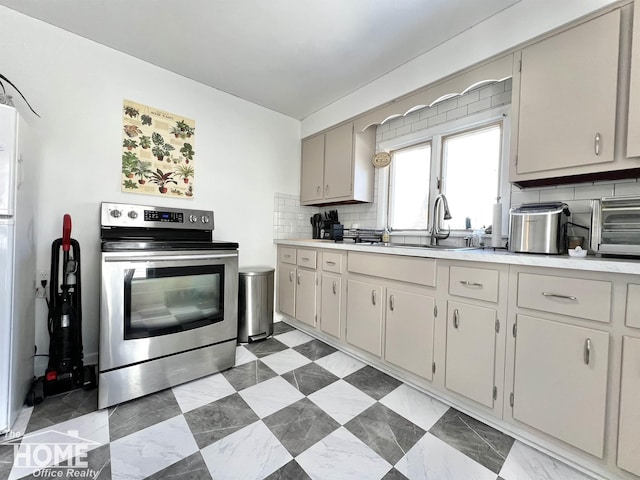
290 219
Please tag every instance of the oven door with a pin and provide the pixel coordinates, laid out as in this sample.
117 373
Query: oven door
155 304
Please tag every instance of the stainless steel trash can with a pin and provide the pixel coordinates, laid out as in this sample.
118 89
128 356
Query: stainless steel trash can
255 303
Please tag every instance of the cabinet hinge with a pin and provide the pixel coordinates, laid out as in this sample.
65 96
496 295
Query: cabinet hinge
433 368
435 312
495 392
497 325
511 399
515 330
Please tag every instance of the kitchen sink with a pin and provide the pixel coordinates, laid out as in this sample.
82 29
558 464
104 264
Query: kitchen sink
445 248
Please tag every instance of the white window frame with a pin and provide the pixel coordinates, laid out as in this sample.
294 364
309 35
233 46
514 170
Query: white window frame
435 135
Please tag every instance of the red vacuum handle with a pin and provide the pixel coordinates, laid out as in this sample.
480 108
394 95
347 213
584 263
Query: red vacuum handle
66 233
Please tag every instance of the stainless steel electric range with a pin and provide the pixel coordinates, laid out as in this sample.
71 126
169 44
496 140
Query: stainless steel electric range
168 305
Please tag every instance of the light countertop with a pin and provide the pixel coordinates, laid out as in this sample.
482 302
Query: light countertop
589 263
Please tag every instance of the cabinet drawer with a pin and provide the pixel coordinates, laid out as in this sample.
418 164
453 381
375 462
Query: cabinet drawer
332 262
575 297
478 283
633 306
306 258
287 255
394 267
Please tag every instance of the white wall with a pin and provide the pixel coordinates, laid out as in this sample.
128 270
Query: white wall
517 24
244 153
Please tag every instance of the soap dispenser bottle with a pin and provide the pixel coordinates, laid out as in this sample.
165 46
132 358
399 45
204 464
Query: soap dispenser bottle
385 235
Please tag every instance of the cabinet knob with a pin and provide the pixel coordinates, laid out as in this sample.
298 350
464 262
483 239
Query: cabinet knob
456 318
318 190
326 189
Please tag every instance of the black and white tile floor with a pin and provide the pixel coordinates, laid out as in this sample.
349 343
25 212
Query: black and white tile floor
293 408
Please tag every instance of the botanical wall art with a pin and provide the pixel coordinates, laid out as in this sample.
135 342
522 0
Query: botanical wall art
157 152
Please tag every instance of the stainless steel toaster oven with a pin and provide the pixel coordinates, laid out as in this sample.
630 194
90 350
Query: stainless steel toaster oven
615 225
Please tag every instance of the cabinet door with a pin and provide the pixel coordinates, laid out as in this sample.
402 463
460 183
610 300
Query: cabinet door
287 289
471 348
629 427
306 296
409 331
568 89
560 384
331 304
633 128
311 175
338 156
364 316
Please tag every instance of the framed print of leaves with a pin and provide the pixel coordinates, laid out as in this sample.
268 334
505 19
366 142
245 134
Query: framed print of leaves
158 152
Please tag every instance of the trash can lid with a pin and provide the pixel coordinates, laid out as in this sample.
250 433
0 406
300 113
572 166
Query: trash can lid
255 270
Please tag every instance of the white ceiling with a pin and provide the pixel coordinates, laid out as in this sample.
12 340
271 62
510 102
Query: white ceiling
292 56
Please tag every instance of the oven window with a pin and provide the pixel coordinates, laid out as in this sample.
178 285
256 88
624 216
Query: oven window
160 301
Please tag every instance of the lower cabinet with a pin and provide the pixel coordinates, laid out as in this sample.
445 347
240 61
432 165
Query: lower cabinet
629 425
306 296
331 304
560 381
471 351
409 331
364 315
287 289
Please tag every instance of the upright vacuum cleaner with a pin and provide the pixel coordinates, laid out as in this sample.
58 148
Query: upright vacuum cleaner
66 370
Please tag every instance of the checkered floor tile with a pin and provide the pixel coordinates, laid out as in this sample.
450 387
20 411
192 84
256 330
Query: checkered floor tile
292 408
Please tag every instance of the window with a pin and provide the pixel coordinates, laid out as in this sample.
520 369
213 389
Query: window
471 166
461 159
409 188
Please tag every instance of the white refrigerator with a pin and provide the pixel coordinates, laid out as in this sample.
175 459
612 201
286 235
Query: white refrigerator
17 264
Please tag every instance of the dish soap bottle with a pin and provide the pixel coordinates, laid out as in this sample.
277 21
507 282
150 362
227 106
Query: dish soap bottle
385 235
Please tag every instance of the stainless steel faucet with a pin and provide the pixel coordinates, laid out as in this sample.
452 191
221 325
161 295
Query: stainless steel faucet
436 233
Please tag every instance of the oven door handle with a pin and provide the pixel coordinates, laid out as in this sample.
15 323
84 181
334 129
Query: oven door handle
169 258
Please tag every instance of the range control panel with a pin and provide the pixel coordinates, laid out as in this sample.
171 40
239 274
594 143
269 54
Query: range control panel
162 216
124 215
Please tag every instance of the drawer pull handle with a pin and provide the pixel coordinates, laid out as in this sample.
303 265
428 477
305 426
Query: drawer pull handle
596 143
329 262
456 318
299 278
287 255
392 302
291 276
470 284
587 351
373 297
557 295
305 259
334 287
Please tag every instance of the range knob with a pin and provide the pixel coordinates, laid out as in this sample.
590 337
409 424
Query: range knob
193 218
116 213
133 214
205 219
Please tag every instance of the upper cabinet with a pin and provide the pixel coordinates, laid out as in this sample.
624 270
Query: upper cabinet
565 102
633 128
336 166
